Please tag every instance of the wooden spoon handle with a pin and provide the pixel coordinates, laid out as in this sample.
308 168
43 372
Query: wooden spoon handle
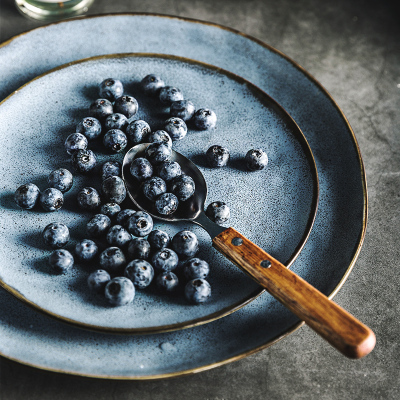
333 323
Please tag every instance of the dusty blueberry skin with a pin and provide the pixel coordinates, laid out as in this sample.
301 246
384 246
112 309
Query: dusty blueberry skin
151 84
197 291
111 89
141 169
110 168
98 225
126 105
183 187
169 94
74 142
116 121
113 189
158 239
112 260
157 153
26 196
51 199
167 282
166 204
61 179
100 109
86 250
56 235
110 209
137 130
140 272
159 136
169 170
165 260
88 198
139 248
119 291
122 217
217 156
183 109
140 224
118 236
154 187
218 212
176 128
204 119
256 159
115 140
83 161
61 261
98 280
185 244
196 268
90 127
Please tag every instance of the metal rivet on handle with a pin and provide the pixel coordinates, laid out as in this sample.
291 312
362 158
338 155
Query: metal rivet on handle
237 241
265 263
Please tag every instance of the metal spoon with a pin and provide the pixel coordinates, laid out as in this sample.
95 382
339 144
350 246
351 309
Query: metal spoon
333 323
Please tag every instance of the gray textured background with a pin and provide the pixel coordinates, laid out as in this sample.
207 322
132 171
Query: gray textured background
353 49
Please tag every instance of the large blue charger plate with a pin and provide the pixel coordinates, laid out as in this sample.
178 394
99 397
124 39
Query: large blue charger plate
325 261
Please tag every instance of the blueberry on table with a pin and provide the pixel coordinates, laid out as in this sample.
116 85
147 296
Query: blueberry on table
86 250
197 291
165 260
139 224
110 168
185 244
183 187
166 204
83 161
153 187
51 199
113 189
217 156
88 198
137 130
151 84
26 196
74 142
139 248
140 272
112 260
169 170
176 128
119 291
141 169
98 225
204 118
116 121
218 212
56 235
169 94
183 109
100 109
167 282
122 217
158 239
195 268
256 159
98 280
115 140
61 179
110 209
126 105
111 89
158 152
90 127
118 236
61 261
159 136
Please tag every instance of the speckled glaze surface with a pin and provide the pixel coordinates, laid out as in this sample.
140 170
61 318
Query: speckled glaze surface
325 261
274 208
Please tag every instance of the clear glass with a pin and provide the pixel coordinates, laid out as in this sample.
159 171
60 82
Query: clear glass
50 10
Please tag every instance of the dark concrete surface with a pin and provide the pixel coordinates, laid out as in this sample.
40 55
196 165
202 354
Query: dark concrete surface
353 49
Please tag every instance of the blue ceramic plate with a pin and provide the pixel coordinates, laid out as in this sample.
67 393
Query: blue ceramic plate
275 208
325 261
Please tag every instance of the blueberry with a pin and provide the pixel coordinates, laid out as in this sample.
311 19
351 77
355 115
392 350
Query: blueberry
26 196
158 152
137 130
56 235
159 136
61 179
83 161
98 280
185 244
123 216
195 268
217 156
115 140
86 250
51 199
169 94
176 128
139 248
218 212
111 89
151 84
158 239
75 142
61 261
169 170
204 118
167 282
112 260
153 187
197 291
118 236
140 224
165 260
100 109
126 105
88 198
256 159
113 189
119 291
89 127
166 204
141 169
183 187
98 225
140 272
183 109
110 168
110 209
116 121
